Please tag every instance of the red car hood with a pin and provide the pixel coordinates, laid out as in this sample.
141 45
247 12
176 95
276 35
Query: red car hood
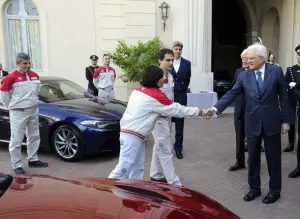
46 197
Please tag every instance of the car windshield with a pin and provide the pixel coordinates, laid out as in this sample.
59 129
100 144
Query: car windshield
60 90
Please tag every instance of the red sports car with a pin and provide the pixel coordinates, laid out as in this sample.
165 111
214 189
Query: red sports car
46 197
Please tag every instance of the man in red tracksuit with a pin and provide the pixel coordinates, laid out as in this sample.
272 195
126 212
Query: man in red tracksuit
19 93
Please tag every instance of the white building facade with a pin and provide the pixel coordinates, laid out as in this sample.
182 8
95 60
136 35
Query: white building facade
61 35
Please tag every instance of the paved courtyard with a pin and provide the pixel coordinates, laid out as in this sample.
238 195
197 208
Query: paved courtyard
209 149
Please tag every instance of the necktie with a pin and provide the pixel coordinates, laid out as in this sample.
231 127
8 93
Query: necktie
259 81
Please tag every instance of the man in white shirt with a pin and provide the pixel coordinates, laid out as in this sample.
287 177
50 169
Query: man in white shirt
162 167
182 74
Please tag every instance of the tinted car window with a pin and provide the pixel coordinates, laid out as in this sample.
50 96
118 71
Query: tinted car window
60 90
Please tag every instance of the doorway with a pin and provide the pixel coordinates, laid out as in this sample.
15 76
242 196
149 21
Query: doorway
229 39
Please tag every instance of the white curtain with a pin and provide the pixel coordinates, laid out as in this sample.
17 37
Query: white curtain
34 43
15 40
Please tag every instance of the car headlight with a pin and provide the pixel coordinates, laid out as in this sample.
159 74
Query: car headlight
98 124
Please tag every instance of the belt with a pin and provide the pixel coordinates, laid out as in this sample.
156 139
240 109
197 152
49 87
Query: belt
23 109
18 109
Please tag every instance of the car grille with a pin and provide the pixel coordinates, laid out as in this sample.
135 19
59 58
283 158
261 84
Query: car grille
143 192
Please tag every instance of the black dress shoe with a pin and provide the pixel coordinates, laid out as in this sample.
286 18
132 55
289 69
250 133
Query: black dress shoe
179 155
237 166
295 173
270 198
163 180
251 195
37 163
289 148
19 170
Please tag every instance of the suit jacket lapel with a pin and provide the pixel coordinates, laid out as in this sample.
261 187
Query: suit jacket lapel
253 81
173 73
267 79
181 66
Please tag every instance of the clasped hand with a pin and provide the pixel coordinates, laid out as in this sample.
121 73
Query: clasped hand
208 113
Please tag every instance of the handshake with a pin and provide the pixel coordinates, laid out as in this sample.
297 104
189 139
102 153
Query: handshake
208 113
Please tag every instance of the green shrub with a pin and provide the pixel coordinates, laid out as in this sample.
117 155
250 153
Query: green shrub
133 59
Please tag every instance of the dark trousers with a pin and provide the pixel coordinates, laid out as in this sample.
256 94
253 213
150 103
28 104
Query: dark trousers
92 87
292 133
292 136
239 125
273 156
179 97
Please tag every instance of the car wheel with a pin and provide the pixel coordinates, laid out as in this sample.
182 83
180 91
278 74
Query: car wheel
67 143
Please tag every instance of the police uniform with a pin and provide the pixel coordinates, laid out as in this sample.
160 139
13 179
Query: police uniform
89 72
293 84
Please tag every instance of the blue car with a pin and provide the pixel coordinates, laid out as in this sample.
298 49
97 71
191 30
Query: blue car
72 123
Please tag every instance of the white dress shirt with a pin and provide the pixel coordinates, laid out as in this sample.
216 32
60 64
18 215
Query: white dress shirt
1 73
176 64
262 70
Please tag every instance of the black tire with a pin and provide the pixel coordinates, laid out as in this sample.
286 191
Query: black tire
67 141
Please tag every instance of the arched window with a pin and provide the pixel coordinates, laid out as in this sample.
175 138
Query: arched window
23 32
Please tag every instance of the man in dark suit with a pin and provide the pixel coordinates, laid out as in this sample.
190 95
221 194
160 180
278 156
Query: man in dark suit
293 82
266 117
239 123
89 72
2 72
181 73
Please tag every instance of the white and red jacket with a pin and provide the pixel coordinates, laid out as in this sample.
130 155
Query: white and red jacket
104 77
144 107
168 86
20 90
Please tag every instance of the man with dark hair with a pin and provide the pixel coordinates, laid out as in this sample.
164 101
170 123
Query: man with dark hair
182 74
19 93
162 167
89 73
104 79
144 107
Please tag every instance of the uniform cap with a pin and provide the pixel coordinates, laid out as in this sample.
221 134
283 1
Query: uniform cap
297 49
94 57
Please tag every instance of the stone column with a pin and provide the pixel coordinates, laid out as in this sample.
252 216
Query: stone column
192 26
287 26
253 37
